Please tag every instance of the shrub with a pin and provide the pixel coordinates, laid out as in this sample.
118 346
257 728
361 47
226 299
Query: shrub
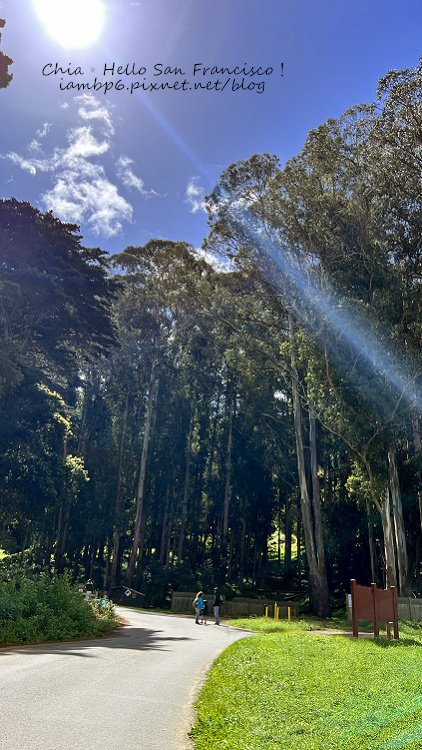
42 608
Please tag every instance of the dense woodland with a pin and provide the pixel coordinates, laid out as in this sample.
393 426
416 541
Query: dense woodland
168 422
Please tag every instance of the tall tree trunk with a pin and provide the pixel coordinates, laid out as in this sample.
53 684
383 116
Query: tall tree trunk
61 534
287 537
186 488
384 509
420 507
211 455
170 526
372 547
242 548
389 551
322 592
417 439
107 565
299 546
142 545
63 521
91 562
417 444
399 530
228 486
84 415
118 502
317 574
152 394
164 529
279 505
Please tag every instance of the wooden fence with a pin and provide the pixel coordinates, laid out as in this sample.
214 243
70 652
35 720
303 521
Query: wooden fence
181 602
409 608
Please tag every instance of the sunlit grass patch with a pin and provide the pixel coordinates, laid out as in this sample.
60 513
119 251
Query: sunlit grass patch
269 625
313 692
262 625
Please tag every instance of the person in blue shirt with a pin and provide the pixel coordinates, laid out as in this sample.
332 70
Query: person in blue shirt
198 603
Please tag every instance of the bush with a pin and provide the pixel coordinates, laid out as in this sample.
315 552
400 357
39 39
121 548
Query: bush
48 609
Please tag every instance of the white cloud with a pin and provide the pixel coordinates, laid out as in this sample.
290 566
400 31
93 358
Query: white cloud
222 265
96 112
81 191
20 161
129 179
195 195
83 143
92 198
126 174
34 145
42 132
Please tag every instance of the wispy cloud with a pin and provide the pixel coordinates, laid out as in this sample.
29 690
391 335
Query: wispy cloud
90 109
195 195
81 190
125 173
35 144
44 131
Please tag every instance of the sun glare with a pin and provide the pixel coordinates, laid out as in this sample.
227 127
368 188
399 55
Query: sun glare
72 23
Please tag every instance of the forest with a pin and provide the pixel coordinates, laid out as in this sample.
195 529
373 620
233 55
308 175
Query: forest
247 414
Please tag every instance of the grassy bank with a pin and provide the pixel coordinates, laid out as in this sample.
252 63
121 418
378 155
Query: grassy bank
262 625
43 609
280 691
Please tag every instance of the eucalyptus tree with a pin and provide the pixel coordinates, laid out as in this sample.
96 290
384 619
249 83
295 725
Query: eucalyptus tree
55 301
157 315
340 244
243 223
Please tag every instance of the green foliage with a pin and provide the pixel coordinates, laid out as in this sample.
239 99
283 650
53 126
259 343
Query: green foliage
40 608
313 692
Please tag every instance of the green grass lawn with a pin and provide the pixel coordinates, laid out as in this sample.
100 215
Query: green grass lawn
294 690
262 625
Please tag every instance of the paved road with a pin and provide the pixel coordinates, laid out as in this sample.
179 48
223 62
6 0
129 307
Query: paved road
131 690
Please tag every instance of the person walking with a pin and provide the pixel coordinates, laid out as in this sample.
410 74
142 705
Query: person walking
204 613
103 600
218 600
198 603
89 589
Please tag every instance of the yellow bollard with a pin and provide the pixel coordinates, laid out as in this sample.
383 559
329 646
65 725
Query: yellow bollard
266 613
288 614
277 612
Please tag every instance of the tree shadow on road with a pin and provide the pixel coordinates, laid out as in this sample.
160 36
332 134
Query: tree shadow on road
130 638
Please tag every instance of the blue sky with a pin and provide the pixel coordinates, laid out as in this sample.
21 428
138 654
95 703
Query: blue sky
128 167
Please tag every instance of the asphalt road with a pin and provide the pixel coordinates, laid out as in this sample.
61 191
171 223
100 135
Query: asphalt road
133 689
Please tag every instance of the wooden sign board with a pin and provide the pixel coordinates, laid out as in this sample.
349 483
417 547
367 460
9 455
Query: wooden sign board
376 605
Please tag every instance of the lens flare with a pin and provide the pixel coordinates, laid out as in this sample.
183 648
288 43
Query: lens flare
72 23
311 303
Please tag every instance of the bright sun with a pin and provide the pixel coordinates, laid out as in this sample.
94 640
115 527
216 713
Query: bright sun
72 23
